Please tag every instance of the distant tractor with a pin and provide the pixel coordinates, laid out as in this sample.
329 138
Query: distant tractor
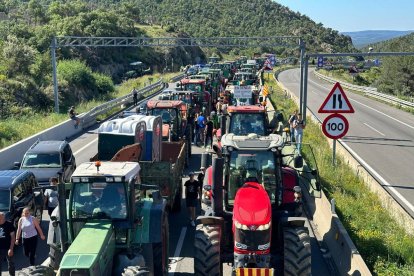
254 221
106 225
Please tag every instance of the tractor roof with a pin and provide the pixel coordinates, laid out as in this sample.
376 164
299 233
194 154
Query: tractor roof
127 169
164 104
245 109
195 81
251 141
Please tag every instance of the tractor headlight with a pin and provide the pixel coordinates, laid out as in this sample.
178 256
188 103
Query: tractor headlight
84 179
264 226
264 246
118 179
240 226
109 179
240 245
75 179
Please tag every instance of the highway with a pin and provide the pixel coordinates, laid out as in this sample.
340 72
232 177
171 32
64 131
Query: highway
181 233
383 136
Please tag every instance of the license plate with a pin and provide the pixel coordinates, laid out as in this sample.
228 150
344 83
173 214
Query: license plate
254 271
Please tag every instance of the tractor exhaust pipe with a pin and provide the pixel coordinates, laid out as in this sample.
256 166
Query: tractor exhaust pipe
217 187
204 160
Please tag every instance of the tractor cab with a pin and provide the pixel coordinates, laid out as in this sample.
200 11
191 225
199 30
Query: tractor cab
244 78
192 100
212 60
103 220
243 120
174 117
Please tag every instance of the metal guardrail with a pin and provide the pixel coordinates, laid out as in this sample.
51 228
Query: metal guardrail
90 116
370 91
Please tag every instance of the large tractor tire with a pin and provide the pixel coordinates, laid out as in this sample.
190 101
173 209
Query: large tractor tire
38 270
297 252
160 250
135 270
207 251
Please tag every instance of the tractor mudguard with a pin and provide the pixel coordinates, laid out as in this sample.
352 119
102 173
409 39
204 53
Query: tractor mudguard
290 180
151 216
294 222
210 220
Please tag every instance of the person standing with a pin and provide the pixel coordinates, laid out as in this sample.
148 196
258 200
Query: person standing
298 125
73 116
208 137
28 228
134 93
7 236
201 123
292 118
192 190
51 196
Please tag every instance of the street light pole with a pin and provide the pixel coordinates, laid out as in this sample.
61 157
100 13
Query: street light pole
305 87
302 80
54 74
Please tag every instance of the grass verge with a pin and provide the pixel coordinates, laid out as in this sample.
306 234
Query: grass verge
386 248
15 129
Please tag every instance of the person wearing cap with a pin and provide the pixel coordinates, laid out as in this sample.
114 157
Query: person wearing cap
192 190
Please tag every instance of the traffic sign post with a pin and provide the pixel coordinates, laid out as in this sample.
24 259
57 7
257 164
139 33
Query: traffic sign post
320 62
335 126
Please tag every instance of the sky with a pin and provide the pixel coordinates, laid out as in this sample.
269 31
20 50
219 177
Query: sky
357 15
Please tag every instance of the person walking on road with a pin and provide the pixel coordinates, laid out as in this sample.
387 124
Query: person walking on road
208 137
298 125
201 123
192 190
51 196
134 93
292 118
28 228
73 116
7 236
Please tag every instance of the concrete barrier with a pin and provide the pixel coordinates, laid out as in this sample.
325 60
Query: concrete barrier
330 229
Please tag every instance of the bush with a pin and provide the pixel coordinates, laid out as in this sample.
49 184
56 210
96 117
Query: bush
103 83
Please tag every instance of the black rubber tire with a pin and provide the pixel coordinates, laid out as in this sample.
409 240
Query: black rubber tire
207 260
160 250
176 205
38 270
297 259
135 270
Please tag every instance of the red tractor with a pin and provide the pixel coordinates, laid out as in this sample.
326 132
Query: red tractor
254 221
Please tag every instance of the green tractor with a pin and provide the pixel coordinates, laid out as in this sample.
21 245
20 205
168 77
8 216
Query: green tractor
107 223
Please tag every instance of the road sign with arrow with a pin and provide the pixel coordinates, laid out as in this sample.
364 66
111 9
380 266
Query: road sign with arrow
336 102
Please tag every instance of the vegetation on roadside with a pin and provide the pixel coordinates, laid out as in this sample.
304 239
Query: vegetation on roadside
385 246
16 128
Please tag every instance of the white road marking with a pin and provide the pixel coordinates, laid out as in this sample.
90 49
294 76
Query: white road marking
374 129
382 113
379 177
314 92
177 251
85 146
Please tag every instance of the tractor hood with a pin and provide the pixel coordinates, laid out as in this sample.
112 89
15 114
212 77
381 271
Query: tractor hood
252 206
92 250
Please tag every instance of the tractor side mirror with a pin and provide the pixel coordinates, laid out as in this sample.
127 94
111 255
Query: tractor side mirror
16 165
280 117
298 162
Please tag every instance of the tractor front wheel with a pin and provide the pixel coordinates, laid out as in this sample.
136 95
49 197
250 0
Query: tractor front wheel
297 251
207 250
38 270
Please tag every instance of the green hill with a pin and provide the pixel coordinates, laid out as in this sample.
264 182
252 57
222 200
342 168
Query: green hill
27 27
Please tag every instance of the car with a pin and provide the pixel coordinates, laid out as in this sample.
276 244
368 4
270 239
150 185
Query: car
19 189
48 159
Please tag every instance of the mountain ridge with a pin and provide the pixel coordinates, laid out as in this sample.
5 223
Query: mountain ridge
364 38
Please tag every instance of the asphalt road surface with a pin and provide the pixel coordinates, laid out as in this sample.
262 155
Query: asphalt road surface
382 135
181 232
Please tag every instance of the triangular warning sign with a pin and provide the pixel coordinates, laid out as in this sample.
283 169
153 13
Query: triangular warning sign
336 102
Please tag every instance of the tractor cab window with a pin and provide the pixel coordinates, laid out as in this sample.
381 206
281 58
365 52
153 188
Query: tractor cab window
248 166
99 200
245 123
167 115
194 87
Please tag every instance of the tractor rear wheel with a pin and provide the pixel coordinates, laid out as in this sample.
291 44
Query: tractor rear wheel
135 270
160 250
207 250
38 270
297 251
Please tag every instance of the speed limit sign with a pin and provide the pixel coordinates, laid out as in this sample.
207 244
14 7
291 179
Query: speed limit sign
335 126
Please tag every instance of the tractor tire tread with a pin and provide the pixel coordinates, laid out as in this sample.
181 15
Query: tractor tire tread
207 251
297 251
37 270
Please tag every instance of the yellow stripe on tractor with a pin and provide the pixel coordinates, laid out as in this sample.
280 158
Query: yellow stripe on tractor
254 271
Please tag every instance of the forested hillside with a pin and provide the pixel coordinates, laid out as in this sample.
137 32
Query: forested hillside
397 73
27 27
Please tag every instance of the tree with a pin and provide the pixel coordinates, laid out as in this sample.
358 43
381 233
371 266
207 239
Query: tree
18 56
